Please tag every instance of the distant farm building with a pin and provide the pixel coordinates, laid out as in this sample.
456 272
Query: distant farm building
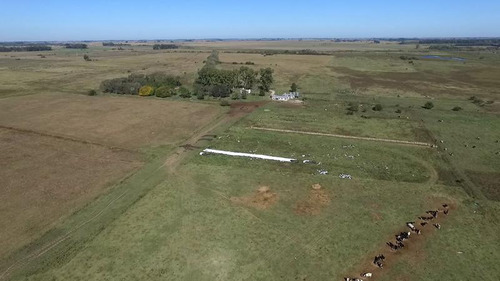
286 96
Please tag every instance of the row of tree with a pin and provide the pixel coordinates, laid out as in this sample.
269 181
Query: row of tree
164 46
31 48
76 46
132 84
112 44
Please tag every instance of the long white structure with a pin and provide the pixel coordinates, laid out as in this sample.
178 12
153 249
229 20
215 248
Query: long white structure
250 155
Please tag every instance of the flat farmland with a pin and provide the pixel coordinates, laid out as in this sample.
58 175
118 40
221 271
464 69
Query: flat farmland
124 122
64 70
47 179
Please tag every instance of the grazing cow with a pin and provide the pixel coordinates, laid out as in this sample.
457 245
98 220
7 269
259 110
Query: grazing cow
378 260
433 213
423 223
367 274
400 245
446 211
437 225
410 225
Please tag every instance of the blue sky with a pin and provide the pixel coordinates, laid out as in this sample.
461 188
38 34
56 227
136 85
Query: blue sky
181 19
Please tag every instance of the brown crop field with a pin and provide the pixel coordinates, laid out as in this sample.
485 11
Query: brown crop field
49 178
124 122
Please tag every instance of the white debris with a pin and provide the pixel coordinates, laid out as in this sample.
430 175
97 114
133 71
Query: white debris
323 172
345 176
239 154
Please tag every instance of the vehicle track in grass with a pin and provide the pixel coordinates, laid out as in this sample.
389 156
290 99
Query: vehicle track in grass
413 143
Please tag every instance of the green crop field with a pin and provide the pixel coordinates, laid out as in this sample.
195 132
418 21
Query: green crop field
176 214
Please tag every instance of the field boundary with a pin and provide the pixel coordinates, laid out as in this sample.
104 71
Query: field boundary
415 143
66 138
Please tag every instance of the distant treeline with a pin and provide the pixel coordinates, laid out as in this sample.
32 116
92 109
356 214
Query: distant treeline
76 46
164 46
462 42
111 44
34 48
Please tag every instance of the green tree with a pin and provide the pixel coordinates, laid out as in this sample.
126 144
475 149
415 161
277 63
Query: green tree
266 79
86 57
246 77
293 88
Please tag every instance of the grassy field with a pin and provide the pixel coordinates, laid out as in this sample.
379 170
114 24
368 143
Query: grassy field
185 216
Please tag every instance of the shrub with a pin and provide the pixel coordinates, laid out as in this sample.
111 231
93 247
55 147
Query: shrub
184 92
200 96
428 105
224 103
456 108
146 91
164 92
398 111
353 107
235 96
86 57
378 107
92 92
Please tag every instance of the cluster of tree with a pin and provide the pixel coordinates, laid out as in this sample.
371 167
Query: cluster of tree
164 46
111 44
220 83
31 48
76 46
132 84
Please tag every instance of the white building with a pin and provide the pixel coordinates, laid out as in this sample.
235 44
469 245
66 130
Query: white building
286 96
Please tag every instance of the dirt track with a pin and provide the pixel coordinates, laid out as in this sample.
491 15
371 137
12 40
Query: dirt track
415 143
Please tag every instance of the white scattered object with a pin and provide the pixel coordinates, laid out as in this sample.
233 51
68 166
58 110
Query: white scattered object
250 155
345 176
323 172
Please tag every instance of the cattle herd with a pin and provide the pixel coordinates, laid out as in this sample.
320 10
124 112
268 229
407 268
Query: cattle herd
401 237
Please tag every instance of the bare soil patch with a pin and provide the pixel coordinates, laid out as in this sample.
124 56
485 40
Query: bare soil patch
318 199
488 182
239 109
263 198
124 122
43 179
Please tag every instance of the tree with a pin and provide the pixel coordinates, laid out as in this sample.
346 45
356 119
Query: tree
146 90
378 107
86 57
266 79
293 88
457 108
164 92
428 105
246 77
184 93
92 92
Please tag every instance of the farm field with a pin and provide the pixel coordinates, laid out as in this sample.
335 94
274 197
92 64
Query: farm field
123 122
155 209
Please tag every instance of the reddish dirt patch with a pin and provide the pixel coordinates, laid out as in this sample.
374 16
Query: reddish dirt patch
317 200
263 198
412 252
239 109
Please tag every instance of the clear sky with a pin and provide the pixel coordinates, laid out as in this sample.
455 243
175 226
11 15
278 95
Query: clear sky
192 19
